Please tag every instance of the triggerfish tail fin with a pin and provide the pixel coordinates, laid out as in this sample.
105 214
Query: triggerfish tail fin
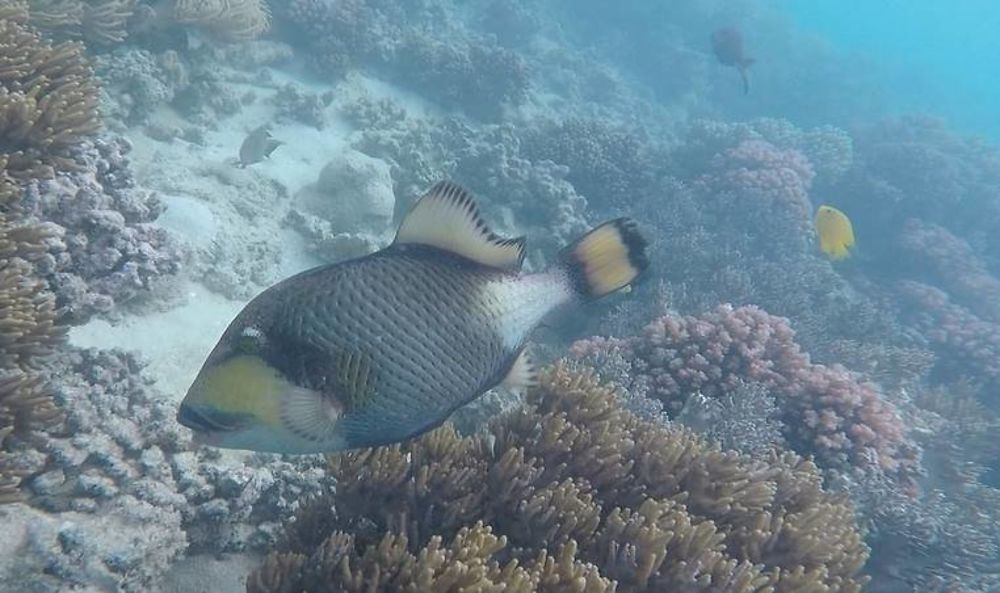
606 259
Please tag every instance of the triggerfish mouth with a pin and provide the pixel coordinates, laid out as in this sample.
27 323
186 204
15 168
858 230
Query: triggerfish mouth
382 348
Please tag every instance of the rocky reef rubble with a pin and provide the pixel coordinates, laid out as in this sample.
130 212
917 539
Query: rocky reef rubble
121 495
105 249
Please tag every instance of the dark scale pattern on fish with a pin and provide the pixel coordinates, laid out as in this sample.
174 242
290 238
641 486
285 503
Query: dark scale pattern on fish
416 313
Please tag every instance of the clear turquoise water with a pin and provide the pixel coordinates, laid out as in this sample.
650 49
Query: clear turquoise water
941 57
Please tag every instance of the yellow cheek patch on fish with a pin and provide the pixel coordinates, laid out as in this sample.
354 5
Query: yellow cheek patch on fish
241 385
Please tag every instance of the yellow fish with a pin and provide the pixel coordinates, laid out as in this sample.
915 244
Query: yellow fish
836 235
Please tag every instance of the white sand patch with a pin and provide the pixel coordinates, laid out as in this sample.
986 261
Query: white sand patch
210 574
174 342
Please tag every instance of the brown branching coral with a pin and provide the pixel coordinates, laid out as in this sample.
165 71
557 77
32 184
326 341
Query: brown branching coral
28 332
14 10
570 493
48 101
103 22
227 20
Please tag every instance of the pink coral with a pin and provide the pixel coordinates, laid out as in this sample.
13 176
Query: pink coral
757 169
966 344
955 264
827 409
761 192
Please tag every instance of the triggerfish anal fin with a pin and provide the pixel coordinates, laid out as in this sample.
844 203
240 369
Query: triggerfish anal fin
446 217
522 374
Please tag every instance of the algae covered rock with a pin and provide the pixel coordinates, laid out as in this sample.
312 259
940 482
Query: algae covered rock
354 193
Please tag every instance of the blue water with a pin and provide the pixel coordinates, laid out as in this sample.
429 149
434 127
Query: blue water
939 57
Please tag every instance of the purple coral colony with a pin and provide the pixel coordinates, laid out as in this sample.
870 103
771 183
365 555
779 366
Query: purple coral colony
750 417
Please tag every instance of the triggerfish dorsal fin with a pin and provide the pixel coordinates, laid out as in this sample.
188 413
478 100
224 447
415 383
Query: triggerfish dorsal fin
522 373
447 217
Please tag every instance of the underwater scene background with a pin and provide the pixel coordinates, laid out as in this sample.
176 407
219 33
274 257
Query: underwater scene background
780 403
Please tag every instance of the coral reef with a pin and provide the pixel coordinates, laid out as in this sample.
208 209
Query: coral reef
102 22
105 249
125 496
769 187
226 20
730 220
915 167
295 103
460 70
570 492
48 102
952 264
235 243
464 75
517 195
608 163
349 210
136 82
827 411
829 150
745 418
965 344
29 334
944 537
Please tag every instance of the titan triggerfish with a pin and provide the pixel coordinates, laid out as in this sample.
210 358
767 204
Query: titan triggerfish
382 348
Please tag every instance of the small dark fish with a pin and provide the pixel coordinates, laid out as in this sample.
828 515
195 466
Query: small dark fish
727 43
257 146
382 348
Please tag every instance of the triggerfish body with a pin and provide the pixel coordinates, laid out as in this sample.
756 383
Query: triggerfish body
382 348
836 235
727 44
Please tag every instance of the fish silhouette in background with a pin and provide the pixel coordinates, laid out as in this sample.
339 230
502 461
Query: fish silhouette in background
257 146
727 43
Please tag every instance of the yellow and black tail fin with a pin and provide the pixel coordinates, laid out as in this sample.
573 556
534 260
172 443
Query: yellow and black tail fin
606 259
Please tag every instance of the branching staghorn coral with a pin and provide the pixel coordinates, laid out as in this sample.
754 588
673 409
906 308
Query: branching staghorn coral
227 20
570 493
99 21
48 101
14 10
28 332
